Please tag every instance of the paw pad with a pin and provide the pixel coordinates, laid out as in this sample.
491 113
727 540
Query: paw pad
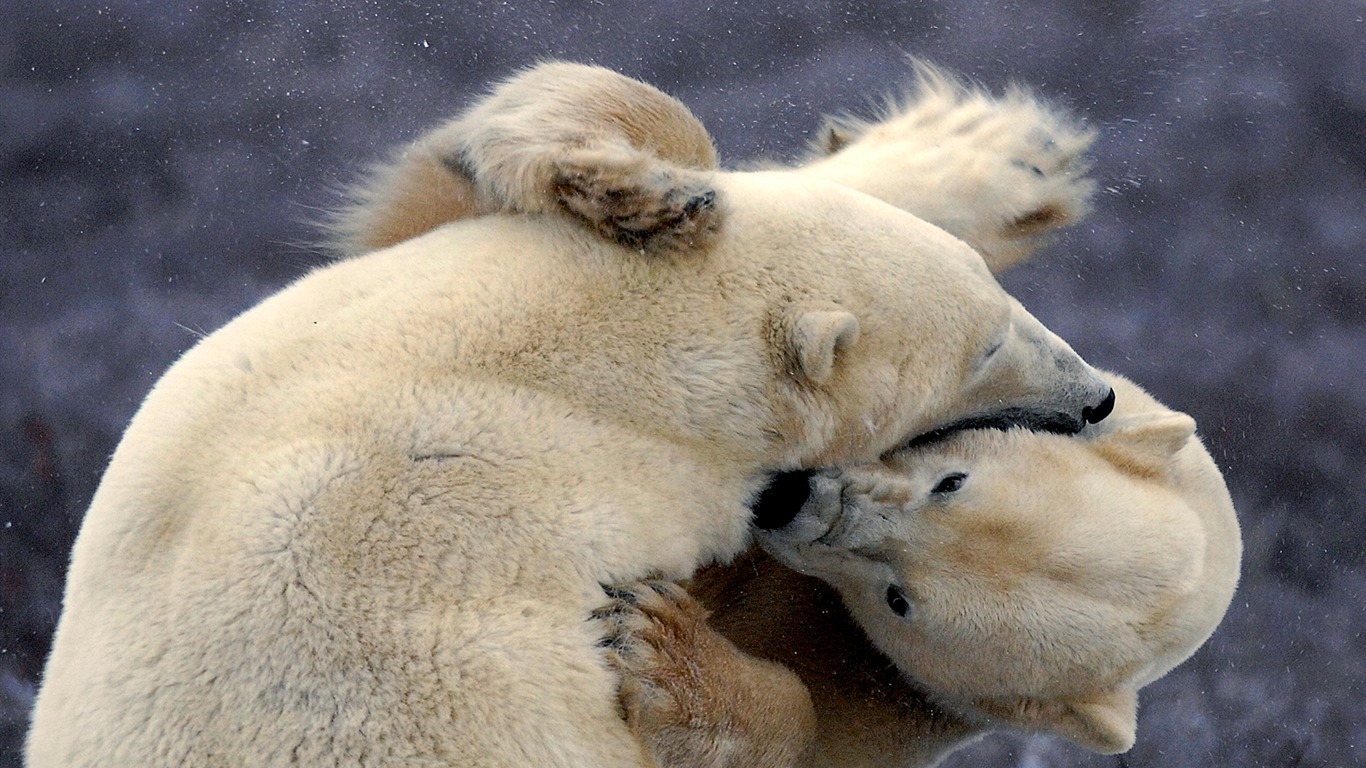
642 205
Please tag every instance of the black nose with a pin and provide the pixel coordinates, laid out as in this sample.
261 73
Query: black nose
1097 414
780 502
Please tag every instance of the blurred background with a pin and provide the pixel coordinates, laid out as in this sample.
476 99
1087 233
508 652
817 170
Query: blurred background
160 164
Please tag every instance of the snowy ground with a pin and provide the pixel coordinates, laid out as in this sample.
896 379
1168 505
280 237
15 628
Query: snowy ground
159 163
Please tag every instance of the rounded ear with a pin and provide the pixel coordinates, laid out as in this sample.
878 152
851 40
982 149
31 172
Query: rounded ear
1147 444
815 336
1106 723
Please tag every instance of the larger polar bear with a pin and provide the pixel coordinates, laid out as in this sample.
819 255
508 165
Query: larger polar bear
367 521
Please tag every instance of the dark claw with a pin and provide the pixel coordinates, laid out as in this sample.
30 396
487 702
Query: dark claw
620 593
706 200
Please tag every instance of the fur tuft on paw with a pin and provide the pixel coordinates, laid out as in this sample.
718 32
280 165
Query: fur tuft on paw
637 200
999 172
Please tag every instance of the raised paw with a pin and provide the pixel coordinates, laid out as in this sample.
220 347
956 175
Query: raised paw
638 200
999 172
690 695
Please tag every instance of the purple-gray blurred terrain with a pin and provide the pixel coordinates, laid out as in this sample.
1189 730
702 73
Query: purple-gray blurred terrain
160 164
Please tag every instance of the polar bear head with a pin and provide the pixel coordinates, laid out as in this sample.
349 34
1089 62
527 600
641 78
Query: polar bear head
876 327
879 327
1034 581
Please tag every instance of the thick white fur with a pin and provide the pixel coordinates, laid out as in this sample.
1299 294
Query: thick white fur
1065 574
366 522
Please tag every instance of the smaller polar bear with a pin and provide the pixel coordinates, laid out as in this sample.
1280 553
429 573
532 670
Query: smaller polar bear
988 579
999 173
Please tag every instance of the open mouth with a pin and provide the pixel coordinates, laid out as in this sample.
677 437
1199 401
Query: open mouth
1052 422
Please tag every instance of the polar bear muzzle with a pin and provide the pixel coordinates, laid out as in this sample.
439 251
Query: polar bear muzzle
781 500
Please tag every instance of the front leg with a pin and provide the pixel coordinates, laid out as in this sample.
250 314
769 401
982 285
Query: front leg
690 695
623 157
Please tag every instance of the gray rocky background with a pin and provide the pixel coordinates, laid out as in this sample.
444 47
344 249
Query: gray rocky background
160 162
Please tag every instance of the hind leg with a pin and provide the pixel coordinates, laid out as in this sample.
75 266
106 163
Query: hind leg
694 698
633 198
999 172
626 159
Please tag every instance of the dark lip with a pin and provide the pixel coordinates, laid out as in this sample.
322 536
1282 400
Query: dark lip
1051 422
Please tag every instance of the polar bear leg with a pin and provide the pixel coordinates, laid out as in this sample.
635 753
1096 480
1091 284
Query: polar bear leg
627 159
417 190
694 698
635 199
996 171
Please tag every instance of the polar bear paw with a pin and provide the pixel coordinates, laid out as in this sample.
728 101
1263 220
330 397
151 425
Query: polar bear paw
999 172
691 696
637 200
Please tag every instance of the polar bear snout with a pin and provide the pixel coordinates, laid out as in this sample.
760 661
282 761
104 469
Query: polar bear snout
1032 379
809 524
1096 414
779 502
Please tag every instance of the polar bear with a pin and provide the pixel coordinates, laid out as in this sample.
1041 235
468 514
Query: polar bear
987 579
367 521
999 173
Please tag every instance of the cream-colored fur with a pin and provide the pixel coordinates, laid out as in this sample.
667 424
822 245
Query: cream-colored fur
615 152
997 172
366 522
992 579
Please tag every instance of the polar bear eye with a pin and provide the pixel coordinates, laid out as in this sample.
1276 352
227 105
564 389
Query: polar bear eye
896 600
949 483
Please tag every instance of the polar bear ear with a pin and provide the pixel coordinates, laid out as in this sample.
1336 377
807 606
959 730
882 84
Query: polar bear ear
1147 444
1105 722
816 336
